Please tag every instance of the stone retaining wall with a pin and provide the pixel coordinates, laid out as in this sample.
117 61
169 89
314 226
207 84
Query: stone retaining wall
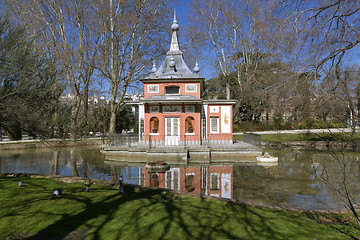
30 145
313 145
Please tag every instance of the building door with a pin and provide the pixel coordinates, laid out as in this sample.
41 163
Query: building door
226 188
172 131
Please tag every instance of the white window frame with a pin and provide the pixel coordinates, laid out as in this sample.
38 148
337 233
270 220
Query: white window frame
217 183
187 86
212 124
178 93
153 86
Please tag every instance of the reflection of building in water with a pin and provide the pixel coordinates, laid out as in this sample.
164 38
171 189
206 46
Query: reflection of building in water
215 181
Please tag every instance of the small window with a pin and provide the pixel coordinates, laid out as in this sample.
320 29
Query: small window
154 124
172 90
189 124
214 181
214 124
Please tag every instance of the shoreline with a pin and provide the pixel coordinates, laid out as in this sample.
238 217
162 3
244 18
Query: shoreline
69 179
312 145
33 144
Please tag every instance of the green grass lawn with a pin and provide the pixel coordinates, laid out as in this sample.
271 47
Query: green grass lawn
288 137
105 213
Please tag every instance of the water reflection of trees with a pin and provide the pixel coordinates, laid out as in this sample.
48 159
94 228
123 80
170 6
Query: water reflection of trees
54 165
94 160
277 184
25 161
340 174
299 174
81 162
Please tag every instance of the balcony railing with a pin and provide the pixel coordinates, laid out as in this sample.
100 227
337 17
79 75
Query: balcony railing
187 140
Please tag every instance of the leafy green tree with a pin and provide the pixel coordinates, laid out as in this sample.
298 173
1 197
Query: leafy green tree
125 119
29 90
101 116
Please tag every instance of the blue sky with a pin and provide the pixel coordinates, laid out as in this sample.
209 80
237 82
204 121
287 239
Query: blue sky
182 8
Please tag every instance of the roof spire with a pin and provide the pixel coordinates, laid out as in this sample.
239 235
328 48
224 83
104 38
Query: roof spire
154 67
196 68
174 40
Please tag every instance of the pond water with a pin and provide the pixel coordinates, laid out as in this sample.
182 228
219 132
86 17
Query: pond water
294 182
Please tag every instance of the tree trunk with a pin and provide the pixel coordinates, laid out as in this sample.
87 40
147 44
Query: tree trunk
228 88
112 117
74 169
74 118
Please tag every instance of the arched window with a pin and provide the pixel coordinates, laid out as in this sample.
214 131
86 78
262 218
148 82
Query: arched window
172 90
189 124
189 183
154 124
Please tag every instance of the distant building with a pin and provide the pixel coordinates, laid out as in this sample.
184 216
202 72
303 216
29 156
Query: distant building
92 100
98 101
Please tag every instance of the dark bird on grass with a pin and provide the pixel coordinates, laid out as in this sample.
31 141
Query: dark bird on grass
57 192
21 184
88 183
121 184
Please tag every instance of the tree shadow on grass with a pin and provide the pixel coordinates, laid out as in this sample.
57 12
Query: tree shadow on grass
140 213
103 210
343 225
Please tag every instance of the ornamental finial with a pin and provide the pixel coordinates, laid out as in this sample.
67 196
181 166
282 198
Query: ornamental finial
154 67
196 68
174 46
172 62
174 26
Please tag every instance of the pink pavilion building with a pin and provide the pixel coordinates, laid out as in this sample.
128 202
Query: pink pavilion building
172 111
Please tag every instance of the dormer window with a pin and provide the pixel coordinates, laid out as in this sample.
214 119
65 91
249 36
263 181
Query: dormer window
172 90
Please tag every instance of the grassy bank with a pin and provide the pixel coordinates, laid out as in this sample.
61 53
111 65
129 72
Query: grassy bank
288 137
345 137
105 213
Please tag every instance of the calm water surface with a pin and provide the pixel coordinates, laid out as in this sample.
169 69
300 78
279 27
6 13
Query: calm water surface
292 182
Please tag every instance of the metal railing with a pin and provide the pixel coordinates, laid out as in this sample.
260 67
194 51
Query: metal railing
156 140
129 140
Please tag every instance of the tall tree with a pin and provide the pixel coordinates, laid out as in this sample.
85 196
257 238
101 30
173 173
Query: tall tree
210 21
237 34
320 34
65 30
132 34
28 87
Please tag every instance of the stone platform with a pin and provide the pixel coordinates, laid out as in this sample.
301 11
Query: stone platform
237 152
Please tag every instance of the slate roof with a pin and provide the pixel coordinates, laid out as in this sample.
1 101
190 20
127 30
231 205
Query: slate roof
174 66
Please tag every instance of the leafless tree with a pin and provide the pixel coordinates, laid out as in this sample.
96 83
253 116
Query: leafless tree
238 34
67 35
210 20
330 28
324 32
132 34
